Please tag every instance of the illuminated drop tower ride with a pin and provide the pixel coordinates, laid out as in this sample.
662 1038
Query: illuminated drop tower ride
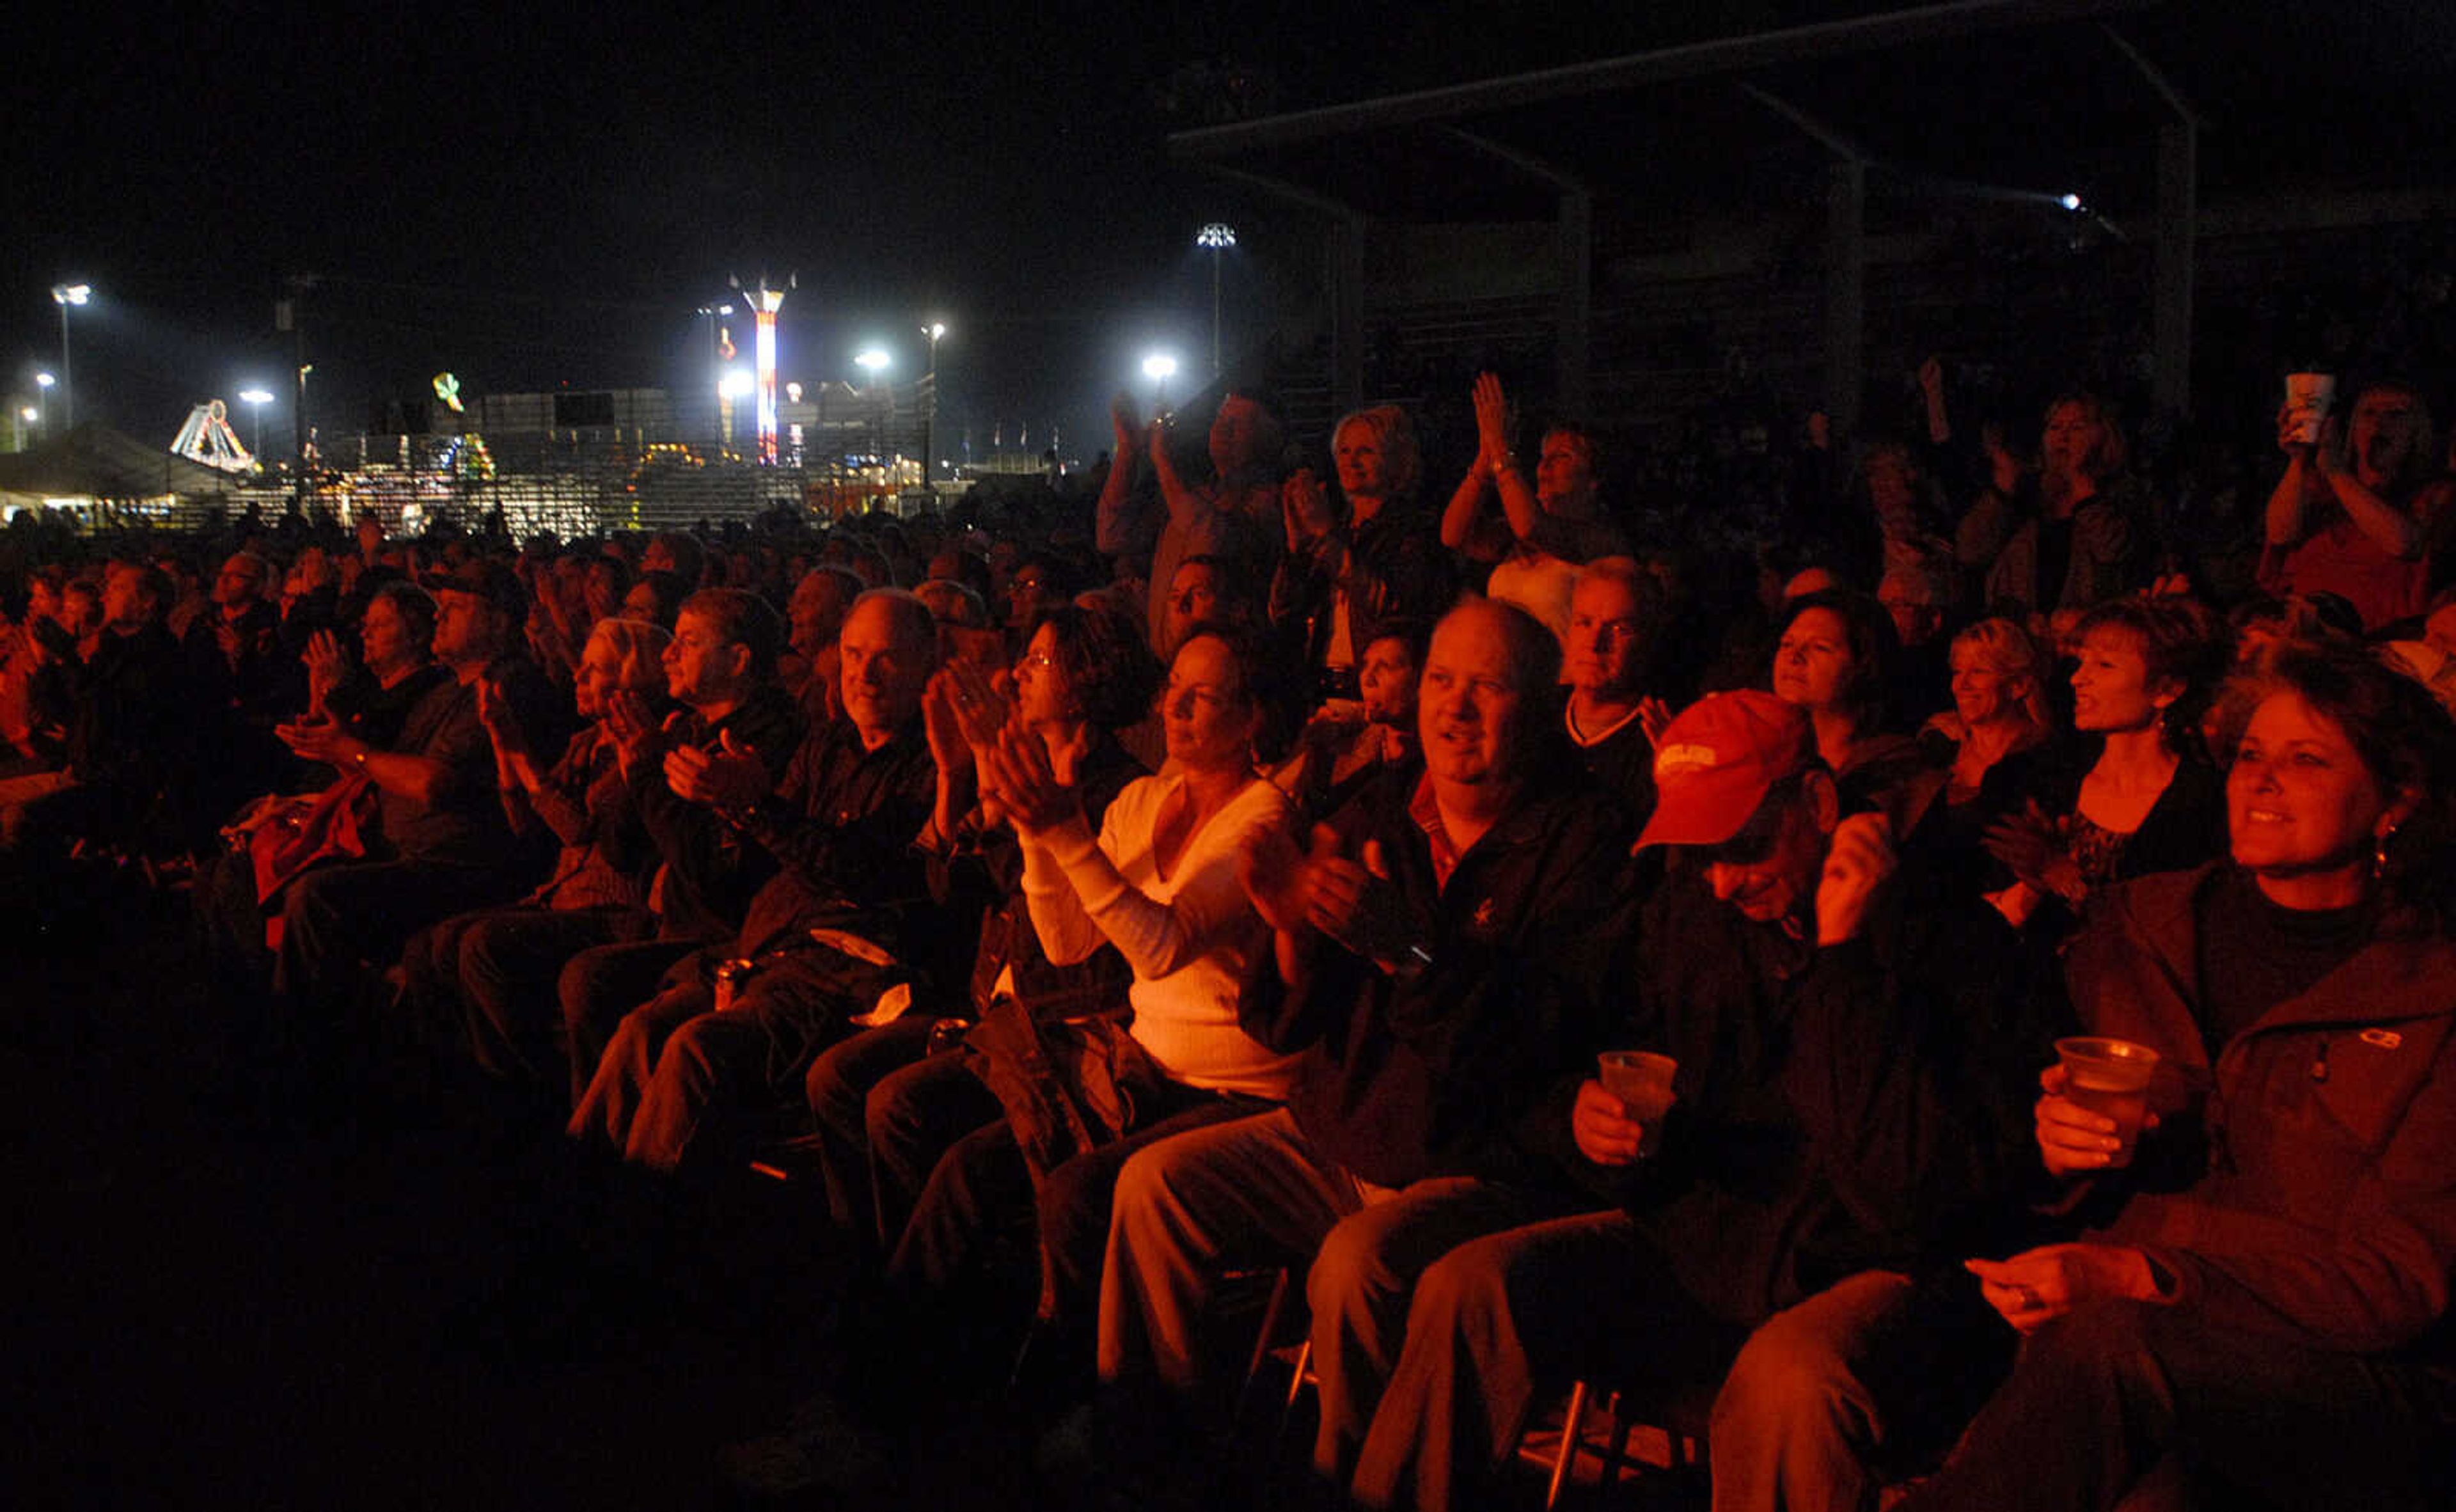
764 303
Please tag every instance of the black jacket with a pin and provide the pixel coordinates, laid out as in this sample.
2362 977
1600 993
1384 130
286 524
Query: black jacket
1401 1080
1857 1106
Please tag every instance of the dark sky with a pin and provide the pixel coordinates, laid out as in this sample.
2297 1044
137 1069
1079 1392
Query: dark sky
532 194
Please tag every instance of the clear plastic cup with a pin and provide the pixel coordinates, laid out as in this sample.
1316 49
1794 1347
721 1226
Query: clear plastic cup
2310 396
2110 1077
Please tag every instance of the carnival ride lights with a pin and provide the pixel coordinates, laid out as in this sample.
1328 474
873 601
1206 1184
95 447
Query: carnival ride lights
208 439
764 303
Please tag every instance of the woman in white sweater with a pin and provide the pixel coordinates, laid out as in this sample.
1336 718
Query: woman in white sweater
1159 882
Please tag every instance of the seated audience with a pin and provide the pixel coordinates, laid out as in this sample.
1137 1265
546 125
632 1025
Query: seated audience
477 979
720 672
682 1081
1833 659
885 1113
1430 968
2261 1294
2147 801
1849 1111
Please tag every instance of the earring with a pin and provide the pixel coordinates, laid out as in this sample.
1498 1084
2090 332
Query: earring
2379 851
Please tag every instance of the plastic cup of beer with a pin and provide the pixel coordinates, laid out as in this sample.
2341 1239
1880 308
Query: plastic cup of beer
2308 397
2110 1077
1642 1080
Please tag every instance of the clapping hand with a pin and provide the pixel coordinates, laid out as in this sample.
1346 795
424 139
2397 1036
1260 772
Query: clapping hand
1355 903
1015 770
1305 506
328 665
1274 875
632 726
1491 423
731 777
2031 846
495 712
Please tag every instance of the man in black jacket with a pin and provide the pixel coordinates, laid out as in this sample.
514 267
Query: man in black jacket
824 935
1428 966
1852 1105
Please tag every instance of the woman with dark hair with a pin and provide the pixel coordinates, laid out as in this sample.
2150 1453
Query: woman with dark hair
1833 658
2147 801
2260 1300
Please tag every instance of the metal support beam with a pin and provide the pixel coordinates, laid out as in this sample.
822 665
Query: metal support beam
1525 162
1823 41
1573 256
1347 313
1846 270
1831 138
2179 209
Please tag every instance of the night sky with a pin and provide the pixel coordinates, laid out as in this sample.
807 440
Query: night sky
535 196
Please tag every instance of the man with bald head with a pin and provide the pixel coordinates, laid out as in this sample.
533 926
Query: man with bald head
823 938
1428 967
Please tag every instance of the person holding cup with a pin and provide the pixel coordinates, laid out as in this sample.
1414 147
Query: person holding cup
2264 1296
1847 1111
2354 512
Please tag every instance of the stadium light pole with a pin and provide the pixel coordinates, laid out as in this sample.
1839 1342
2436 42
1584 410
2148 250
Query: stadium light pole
65 295
929 411
256 398
1218 236
1160 367
43 382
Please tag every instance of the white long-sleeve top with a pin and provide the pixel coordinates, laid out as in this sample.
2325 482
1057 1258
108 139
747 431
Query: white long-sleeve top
1189 937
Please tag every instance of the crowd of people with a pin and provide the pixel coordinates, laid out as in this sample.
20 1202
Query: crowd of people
1240 869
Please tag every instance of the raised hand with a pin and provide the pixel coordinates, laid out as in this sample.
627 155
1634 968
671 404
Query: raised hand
1305 506
1861 858
328 666
632 726
1015 770
1491 421
2003 469
1274 873
1653 718
947 748
981 709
